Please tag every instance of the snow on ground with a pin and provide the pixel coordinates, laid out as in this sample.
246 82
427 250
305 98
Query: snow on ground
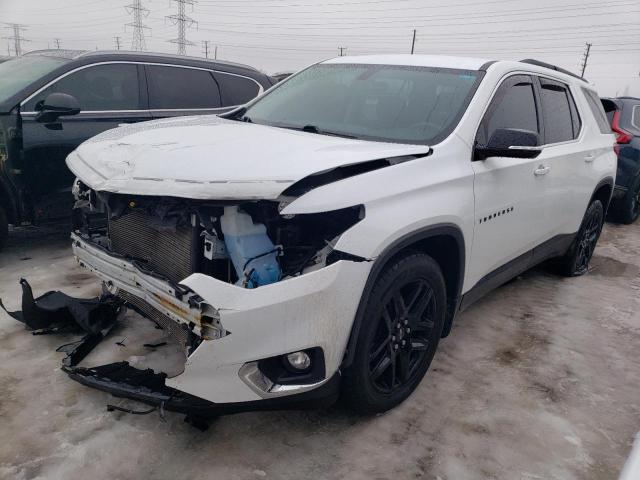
539 380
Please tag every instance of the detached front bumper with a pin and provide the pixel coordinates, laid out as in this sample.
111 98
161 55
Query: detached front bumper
239 327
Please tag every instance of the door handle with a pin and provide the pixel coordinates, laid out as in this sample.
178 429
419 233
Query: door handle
589 158
541 170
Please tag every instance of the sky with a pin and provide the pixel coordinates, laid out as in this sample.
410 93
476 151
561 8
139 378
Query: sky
286 35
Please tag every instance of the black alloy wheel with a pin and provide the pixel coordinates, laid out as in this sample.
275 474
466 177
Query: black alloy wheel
576 261
401 327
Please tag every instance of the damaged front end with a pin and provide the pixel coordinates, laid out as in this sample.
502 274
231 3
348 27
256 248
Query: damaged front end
237 285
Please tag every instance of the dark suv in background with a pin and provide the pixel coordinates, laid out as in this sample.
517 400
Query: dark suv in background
53 100
624 116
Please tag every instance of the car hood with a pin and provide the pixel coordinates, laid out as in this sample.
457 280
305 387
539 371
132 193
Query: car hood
208 157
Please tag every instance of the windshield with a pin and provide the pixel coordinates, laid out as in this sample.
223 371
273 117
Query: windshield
418 105
18 73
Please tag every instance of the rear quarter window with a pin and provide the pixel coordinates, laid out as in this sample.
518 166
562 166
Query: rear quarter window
635 117
595 104
237 90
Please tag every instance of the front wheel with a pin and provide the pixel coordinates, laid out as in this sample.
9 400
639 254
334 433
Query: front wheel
401 328
576 260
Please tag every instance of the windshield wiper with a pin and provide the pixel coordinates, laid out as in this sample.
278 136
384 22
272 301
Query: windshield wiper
314 129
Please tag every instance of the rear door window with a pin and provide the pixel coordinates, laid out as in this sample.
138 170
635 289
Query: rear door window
557 112
598 111
97 88
513 106
178 88
236 90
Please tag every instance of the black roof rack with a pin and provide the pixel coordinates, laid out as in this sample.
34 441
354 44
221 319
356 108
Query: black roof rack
532 61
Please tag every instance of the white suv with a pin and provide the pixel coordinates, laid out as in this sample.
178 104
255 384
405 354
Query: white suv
324 236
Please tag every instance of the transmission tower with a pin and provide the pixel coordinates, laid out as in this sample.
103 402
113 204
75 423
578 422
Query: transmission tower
16 37
57 42
139 12
183 22
585 57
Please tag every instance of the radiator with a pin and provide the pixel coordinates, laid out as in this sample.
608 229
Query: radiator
168 252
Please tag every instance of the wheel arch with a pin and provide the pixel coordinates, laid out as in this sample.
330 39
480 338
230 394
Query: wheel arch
445 244
603 192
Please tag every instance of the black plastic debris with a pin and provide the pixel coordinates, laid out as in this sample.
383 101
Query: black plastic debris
55 311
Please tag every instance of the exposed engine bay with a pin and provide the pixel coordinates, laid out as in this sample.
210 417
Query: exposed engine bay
248 244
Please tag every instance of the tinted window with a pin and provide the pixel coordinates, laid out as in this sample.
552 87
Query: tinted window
635 118
514 106
181 88
390 103
598 112
101 87
556 112
237 90
18 73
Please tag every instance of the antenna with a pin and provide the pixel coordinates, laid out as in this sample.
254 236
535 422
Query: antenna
183 22
16 37
413 42
139 12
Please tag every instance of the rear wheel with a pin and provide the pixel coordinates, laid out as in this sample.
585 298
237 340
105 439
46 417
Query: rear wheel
576 260
402 326
629 209
4 227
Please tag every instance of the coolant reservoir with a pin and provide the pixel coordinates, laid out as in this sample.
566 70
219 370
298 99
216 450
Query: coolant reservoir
251 251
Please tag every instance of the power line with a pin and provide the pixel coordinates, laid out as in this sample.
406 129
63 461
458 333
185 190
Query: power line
183 22
585 58
139 12
17 37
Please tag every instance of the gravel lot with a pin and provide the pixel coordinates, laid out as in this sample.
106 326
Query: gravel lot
540 380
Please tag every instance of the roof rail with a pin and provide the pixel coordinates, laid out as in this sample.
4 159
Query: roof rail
532 61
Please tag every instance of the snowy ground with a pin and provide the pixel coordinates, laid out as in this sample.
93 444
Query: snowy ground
540 380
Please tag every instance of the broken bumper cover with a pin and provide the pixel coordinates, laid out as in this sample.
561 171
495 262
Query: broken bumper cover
243 326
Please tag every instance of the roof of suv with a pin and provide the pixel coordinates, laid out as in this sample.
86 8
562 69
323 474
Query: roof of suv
76 54
444 61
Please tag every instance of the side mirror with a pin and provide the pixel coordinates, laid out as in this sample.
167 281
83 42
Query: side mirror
57 105
510 142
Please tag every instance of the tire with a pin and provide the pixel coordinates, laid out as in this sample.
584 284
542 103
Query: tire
576 260
629 209
4 228
404 320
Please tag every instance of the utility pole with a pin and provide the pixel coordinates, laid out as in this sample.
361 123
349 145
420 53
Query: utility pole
342 49
585 57
139 12
17 37
117 40
57 42
183 22
413 42
205 48
215 52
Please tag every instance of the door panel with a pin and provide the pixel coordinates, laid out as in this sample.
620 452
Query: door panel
510 193
109 95
571 176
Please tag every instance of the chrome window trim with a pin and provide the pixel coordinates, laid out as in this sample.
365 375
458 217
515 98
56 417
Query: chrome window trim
131 62
549 77
144 111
